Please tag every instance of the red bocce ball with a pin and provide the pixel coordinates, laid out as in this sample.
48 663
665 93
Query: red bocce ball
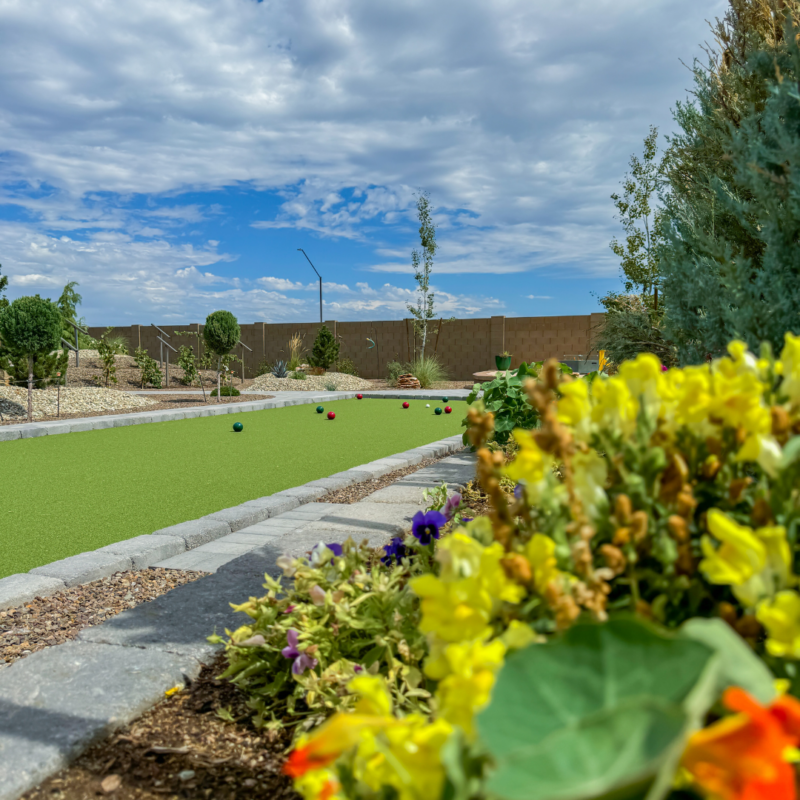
331 415
405 405
359 397
448 410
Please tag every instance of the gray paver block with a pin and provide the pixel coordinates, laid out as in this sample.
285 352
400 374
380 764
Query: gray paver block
196 531
56 702
225 546
397 493
84 568
9 434
253 537
329 484
381 467
144 551
304 494
349 475
34 432
241 516
275 505
23 587
275 526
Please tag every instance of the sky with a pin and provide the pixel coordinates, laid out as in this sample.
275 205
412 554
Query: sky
171 157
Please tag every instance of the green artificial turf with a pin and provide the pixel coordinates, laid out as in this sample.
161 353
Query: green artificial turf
62 495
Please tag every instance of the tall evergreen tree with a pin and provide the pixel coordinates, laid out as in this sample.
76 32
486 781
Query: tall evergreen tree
423 311
711 208
3 285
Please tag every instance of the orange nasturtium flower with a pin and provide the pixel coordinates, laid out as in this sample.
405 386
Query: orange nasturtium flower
747 755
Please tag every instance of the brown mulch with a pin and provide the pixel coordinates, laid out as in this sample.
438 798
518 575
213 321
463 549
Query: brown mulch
52 620
352 494
167 402
181 749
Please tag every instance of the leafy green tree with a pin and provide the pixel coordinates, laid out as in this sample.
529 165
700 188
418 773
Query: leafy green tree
30 327
423 311
3 285
220 334
68 304
326 349
642 221
713 214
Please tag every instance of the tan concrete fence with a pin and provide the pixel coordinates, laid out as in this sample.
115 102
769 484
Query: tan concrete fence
465 346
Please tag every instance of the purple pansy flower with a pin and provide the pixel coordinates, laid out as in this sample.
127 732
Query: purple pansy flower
518 489
357 668
302 662
452 505
466 519
425 525
335 548
394 551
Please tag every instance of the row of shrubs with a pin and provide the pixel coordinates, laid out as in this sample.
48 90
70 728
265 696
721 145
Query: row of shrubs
625 622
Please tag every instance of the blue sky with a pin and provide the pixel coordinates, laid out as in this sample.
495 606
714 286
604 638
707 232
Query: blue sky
171 157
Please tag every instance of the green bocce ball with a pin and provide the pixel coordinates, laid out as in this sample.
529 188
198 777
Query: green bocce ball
320 409
445 399
237 426
437 411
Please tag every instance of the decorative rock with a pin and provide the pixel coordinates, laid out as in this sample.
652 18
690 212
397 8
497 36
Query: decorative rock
408 381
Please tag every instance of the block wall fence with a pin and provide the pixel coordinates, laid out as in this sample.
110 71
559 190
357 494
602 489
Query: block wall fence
465 346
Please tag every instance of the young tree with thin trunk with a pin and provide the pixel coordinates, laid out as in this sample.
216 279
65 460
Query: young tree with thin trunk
31 327
221 333
423 312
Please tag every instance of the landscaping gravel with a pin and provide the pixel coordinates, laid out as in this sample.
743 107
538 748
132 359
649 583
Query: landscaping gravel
75 401
312 383
52 620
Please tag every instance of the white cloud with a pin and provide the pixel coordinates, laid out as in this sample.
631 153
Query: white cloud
539 297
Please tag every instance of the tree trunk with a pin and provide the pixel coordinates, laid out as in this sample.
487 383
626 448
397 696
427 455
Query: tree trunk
30 388
219 381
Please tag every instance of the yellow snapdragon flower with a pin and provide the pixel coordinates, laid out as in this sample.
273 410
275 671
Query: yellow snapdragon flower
687 394
466 686
781 617
754 563
540 552
790 363
645 380
590 472
531 464
575 408
613 406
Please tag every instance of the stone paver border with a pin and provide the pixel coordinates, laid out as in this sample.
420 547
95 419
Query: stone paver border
59 701
147 550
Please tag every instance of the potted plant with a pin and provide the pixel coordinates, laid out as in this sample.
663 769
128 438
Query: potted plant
503 361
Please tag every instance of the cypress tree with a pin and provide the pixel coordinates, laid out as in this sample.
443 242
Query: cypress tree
326 349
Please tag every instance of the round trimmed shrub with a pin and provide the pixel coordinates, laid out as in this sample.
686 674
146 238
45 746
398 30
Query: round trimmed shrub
31 325
221 332
226 391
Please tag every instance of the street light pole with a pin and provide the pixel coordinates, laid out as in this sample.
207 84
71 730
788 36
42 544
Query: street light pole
320 282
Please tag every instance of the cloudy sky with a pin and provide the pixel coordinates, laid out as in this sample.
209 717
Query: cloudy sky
172 156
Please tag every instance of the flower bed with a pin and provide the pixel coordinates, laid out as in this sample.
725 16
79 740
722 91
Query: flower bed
624 622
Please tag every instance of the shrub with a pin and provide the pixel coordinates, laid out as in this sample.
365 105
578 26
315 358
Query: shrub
298 375
325 350
666 501
330 386
151 374
296 352
346 367
108 348
187 361
264 368
30 327
427 370
226 391
46 367
220 333
394 370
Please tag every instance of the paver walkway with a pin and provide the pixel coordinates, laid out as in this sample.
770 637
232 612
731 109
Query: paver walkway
57 702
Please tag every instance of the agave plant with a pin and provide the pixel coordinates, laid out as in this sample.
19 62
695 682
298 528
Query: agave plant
279 370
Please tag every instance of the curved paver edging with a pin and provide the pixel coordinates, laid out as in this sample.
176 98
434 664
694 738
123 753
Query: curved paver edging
147 550
30 430
56 703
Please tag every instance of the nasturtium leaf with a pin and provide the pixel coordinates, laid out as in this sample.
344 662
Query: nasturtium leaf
595 712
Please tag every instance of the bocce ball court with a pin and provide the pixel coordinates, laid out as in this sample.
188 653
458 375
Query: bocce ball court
66 494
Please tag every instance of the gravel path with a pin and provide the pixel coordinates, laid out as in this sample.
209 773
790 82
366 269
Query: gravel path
312 383
52 620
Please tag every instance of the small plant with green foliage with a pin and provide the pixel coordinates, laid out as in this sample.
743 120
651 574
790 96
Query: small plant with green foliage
394 369
264 368
151 374
507 400
109 347
279 369
330 386
187 361
343 613
298 375
221 333
296 352
29 327
326 349
346 367
226 391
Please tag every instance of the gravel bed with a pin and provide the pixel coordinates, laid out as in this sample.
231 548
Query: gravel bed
182 749
74 400
56 619
312 383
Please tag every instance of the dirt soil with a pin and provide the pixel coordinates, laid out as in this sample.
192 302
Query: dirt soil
181 749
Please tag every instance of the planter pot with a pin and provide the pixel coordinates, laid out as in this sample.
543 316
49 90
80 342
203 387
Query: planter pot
503 362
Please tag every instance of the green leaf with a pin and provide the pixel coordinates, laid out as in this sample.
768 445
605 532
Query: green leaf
791 451
598 711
